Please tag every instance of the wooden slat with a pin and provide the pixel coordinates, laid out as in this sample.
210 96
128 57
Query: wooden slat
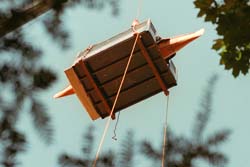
81 93
134 95
95 86
116 70
152 66
133 78
121 50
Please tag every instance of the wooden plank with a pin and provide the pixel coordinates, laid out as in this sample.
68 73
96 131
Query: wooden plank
115 53
132 79
152 66
134 95
81 93
96 86
117 69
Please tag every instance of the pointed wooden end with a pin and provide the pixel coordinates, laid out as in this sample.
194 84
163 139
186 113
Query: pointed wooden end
65 92
170 46
198 33
180 41
201 32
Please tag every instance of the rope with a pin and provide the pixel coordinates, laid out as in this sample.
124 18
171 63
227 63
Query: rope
120 87
135 22
165 135
138 13
116 124
115 101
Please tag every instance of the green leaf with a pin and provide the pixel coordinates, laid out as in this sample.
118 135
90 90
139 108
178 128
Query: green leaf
43 78
201 13
218 137
219 44
41 121
211 15
238 56
231 18
236 72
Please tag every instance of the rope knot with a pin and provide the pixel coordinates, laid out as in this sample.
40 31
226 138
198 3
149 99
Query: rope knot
134 23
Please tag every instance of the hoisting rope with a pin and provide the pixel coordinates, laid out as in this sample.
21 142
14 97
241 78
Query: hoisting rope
165 139
135 22
115 101
138 9
137 35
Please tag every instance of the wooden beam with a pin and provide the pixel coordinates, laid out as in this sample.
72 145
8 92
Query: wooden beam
22 16
152 66
96 87
81 93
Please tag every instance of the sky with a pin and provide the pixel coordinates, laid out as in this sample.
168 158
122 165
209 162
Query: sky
195 64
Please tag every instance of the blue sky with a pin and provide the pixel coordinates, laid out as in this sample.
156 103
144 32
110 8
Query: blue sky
195 64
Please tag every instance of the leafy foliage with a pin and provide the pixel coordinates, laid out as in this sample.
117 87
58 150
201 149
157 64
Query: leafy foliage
86 160
41 120
127 151
205 109
22 76
13 141
232 20
183 151
123 158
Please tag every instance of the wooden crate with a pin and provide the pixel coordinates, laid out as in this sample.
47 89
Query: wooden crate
96 74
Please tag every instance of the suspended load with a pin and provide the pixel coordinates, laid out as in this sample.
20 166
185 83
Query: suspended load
96 74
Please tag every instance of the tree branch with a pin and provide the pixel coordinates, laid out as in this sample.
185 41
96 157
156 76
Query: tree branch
22 16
